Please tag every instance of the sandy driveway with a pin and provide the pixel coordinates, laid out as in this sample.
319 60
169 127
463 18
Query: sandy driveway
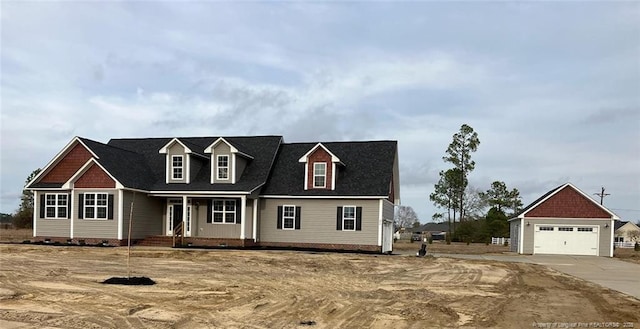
59 287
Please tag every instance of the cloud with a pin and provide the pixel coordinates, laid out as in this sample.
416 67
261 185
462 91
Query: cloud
551 88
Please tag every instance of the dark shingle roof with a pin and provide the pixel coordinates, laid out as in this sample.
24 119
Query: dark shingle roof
367 170
262 148
432 227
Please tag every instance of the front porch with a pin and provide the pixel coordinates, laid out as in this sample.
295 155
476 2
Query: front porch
210 220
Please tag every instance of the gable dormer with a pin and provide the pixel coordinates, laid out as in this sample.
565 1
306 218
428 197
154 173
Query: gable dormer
227 162
320 169
177 162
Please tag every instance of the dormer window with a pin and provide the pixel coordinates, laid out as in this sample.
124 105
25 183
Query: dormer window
319 175
320 168
223 167
177 166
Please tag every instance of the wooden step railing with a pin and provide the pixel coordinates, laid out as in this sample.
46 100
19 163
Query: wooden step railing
178 230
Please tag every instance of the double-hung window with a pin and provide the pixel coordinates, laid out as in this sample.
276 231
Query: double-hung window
224 211
319 175
288 217
56 205
223 167
349 218
177 167
95 205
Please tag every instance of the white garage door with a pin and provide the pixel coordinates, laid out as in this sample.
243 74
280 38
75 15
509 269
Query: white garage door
565 240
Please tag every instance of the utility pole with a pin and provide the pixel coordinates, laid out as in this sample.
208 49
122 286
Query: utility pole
602 195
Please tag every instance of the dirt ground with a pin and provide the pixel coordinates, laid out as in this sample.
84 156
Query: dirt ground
453 248
59 287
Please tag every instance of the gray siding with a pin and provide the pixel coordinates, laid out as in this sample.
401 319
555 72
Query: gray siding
387 210
147 215
177 149
95 228
248 219
318 222
221 149
604 243
50 227
514 235
241 163
203 229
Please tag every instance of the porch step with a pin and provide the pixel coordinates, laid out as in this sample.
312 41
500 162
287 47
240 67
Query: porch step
157 241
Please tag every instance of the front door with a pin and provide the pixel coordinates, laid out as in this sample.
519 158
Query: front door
174 217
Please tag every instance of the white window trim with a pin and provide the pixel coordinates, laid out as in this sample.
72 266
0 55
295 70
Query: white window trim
95 207
224 212
56 206
173 167
355 215
293 218
324 180
218 167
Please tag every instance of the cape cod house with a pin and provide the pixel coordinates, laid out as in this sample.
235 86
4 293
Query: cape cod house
220 191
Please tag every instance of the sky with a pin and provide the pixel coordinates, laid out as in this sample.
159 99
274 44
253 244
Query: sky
551 88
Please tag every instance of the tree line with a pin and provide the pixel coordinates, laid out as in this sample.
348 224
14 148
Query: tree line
464 206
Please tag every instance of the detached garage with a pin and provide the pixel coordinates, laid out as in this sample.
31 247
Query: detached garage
564 221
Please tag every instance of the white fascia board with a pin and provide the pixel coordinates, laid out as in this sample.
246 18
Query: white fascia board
165 148
210 148
321 197
196 194
304 158
306 177
60 154
83 169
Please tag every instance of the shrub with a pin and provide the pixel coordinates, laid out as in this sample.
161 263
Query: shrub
636 247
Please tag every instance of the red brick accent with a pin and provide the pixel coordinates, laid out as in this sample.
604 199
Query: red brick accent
319 155
76 241
327 246
568 203
68 166
95 177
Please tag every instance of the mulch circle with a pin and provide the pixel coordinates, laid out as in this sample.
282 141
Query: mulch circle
133 281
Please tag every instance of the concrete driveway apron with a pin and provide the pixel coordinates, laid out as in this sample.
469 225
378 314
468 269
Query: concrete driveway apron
607 272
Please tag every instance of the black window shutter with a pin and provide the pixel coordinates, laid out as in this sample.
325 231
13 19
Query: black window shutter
110 206
239 211
69 205
339 219
298 209
81 205
279 218
209 211
358 218
42 201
